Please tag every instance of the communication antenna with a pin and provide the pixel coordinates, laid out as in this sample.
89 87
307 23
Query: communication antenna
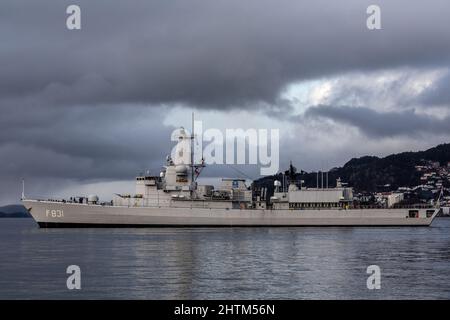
192 150
438 202
321 178
23 188
317 179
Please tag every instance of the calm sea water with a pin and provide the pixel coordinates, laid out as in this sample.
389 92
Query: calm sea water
236 263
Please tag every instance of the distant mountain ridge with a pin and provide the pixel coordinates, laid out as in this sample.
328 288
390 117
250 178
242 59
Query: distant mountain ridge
14 211
371 173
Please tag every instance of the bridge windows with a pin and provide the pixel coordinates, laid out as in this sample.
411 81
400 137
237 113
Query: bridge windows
413 213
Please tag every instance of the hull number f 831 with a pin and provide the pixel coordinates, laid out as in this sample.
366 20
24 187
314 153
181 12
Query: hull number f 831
54 213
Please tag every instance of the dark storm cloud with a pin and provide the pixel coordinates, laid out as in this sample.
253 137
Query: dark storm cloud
54 148
439 93
381 124
87 104
83 143
205 53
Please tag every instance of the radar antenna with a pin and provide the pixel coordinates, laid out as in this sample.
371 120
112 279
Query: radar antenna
291 172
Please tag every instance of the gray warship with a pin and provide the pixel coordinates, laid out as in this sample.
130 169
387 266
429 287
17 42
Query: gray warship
174 198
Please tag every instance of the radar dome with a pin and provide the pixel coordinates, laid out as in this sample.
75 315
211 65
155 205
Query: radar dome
92 198
181 169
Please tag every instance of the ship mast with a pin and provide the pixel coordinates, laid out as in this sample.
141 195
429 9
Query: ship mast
192 152
23 189
196 168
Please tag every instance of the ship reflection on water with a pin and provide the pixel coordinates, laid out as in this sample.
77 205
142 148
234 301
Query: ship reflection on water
230 263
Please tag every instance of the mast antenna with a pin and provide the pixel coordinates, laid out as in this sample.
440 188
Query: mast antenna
23 188
317 179
192 151
321 178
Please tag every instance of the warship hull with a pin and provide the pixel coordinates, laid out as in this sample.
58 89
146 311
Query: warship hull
50 214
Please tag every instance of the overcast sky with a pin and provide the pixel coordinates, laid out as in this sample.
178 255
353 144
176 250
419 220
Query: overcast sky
84 110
